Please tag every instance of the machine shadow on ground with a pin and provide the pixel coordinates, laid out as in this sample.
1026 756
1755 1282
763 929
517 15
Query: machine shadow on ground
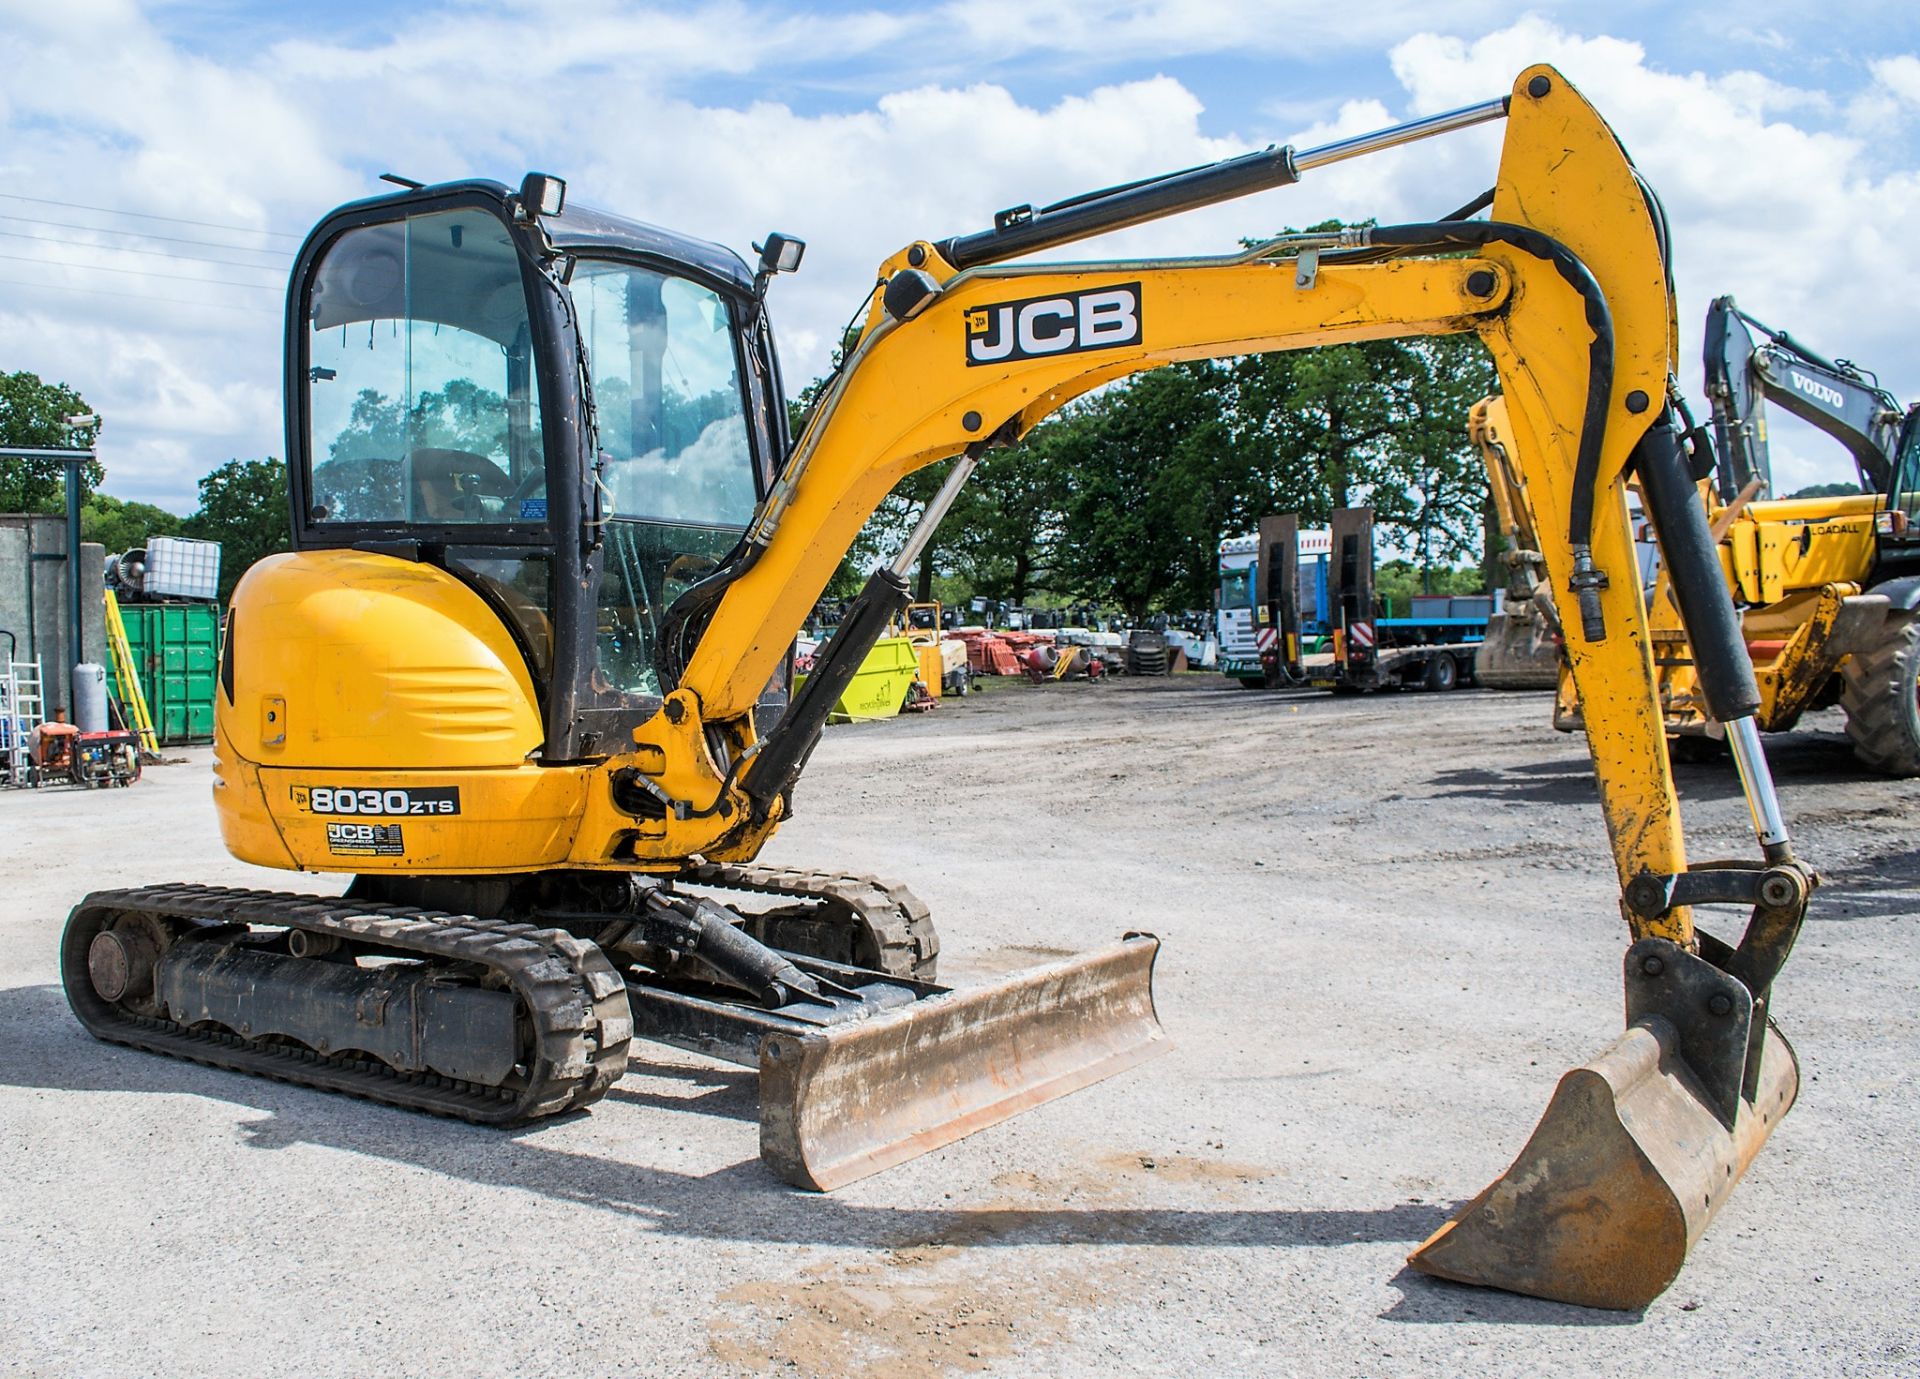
1794 758
1426 1301
741 1202
1882 886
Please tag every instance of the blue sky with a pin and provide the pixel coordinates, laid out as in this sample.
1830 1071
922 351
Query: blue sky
1785 138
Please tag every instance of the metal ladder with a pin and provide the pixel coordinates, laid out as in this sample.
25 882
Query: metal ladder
22 709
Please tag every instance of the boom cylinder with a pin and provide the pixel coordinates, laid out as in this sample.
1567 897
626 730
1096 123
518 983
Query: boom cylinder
792 740
1026 231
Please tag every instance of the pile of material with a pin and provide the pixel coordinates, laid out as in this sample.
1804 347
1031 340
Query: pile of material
988 653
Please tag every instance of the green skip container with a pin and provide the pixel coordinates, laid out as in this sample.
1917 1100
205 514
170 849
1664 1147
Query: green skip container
176 654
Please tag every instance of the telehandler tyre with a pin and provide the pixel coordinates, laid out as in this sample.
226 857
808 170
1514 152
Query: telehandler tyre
1881 695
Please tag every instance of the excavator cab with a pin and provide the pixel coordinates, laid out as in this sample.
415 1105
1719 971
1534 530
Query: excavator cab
574 415
1897 528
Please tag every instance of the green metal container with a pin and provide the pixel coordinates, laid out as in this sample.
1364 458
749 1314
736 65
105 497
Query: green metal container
176 654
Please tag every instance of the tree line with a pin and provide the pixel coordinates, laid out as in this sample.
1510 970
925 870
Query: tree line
1121 498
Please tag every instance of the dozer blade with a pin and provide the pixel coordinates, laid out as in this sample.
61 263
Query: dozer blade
853 1099
1622 1175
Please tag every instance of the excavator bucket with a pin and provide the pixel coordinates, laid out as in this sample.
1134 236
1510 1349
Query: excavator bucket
852 1099
1519 652
1631 1161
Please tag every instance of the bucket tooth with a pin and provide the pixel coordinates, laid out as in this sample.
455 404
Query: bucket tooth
853 1099
1620 1178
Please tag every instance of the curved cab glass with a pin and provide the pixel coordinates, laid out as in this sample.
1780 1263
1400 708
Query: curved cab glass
676 459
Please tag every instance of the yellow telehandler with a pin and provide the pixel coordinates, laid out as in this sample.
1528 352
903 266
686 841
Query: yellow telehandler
1521 650
523 674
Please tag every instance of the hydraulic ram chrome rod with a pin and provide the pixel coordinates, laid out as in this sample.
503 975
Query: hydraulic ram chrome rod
1024 230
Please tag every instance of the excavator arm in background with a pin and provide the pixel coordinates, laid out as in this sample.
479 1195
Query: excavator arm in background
1836 396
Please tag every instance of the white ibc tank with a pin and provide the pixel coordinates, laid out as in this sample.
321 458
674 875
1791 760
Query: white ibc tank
90 697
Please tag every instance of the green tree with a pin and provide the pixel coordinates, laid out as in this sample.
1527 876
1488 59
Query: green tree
1008 521
121 526
33 414
1151 477
243 506
1833 490
1381 423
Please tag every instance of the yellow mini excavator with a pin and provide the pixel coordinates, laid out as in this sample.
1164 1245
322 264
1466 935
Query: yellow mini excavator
523 674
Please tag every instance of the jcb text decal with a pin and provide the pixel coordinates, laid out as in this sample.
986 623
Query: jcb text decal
366 840
1101 319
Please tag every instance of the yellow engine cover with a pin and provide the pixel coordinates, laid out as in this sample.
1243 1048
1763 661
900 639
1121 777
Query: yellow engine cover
382 719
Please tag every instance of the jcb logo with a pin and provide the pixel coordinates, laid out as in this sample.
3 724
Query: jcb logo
1818 391
1102 319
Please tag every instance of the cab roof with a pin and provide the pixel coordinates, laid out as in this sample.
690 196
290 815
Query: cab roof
583 230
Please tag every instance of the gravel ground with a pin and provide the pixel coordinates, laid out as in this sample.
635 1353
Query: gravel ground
1390 924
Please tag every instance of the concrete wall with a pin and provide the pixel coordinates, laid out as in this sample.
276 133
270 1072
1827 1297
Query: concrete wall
33 600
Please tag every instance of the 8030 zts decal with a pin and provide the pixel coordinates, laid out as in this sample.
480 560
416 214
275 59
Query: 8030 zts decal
364 800
1102 319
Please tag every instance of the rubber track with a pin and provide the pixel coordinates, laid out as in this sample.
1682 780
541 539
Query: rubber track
569 994
898 919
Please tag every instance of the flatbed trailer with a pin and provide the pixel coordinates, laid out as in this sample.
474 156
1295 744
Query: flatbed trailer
1352 669
1433 648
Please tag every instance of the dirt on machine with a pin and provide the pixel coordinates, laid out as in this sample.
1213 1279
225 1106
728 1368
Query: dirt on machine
525 675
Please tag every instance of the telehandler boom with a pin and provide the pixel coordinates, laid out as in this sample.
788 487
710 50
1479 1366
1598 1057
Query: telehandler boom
1522 646
523 673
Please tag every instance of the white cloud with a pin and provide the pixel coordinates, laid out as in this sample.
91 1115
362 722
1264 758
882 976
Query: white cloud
1900 76
1772 195
1810 230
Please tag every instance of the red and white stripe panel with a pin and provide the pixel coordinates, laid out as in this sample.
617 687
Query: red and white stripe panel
1361 633
1266 638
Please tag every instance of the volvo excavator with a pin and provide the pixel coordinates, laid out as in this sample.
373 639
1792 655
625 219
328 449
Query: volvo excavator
523 675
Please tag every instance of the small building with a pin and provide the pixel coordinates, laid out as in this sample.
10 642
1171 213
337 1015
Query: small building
33 602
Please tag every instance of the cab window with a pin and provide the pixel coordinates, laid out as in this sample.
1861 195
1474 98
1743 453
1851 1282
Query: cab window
676 465
421 406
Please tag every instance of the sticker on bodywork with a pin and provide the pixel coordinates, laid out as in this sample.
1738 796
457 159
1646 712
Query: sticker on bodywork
1101 318
366 840
376 800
